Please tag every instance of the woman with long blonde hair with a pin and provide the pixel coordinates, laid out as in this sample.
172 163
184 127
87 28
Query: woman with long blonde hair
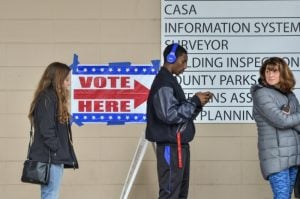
49 116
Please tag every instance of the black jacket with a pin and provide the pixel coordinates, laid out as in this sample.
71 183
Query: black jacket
168 110
49 133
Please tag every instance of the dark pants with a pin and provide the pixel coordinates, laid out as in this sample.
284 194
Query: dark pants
173 181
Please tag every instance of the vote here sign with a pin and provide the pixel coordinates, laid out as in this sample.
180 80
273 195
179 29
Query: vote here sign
227 41
115 93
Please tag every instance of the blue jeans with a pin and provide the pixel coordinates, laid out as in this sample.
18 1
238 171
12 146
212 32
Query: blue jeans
282 183
51 191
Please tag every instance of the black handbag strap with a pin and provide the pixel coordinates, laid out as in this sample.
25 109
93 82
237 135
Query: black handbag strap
30 143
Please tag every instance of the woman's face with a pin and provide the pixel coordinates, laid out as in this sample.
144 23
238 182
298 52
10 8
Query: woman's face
272 75
67 82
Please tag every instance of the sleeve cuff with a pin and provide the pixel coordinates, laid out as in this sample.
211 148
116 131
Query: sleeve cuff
197 101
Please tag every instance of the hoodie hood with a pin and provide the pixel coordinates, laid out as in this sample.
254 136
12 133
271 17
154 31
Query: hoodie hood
255 87
261 84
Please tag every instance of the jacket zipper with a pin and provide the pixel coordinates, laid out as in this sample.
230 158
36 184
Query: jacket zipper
71 144
277 137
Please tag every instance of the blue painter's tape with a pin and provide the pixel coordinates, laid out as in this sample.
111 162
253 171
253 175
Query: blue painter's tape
156 64
120 64
78 122
115 123
75 63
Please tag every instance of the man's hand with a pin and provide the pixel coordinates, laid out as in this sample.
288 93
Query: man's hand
204 97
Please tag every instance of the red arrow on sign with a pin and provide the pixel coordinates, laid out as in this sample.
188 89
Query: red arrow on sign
139 93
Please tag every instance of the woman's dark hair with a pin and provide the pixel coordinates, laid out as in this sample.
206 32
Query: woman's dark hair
286 81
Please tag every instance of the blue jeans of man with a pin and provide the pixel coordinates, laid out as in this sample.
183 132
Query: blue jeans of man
282 183
51 191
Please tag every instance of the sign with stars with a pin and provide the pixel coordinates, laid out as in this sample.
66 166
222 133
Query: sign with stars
115 93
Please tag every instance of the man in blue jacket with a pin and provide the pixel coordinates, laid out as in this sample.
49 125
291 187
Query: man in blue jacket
170 124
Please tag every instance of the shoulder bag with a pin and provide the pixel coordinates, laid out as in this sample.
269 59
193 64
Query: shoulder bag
34 171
